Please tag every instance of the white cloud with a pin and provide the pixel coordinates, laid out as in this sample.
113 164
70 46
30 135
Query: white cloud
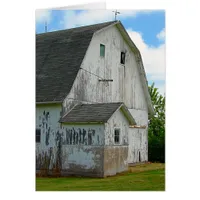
73 19
42 15
161 35
153 58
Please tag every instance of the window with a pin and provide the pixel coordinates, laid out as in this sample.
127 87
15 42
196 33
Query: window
122 58
117 136
102 50
38 135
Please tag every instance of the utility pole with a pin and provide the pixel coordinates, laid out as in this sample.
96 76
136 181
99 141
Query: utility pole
116 12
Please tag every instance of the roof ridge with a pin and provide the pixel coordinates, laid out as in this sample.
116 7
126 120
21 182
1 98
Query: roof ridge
38 34
102 103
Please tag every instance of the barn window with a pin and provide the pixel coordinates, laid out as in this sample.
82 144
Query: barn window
102 50
38 135
117 136
122 58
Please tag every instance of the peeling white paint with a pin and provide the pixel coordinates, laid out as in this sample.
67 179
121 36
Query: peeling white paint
126 87
138 138
79 157
120 122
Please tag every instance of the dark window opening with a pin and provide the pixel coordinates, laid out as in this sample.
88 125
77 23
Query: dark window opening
139 157
38 135
102 50
116 136
122 58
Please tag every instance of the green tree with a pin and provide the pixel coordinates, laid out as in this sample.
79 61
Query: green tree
156 131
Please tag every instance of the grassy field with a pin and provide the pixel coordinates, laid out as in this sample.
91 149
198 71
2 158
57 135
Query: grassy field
146 177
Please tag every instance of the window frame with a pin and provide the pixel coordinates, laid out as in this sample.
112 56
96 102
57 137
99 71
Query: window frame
102 56
118 143
36 135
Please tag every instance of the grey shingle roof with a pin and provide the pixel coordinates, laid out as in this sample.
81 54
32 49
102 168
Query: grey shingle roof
59 55
92 113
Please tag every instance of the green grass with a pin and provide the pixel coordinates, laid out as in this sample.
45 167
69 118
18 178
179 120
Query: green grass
148 177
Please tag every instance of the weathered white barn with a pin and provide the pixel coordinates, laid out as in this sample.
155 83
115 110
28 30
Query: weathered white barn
92 101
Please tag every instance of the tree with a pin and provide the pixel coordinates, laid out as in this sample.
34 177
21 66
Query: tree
156 134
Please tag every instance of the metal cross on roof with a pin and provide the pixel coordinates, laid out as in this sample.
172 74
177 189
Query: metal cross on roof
116 12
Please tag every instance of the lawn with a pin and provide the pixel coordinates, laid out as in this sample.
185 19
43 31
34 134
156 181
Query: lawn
146 177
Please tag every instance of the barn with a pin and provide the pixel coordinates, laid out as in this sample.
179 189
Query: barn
92 101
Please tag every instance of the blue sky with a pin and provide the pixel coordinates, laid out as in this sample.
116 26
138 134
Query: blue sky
148 25
145 27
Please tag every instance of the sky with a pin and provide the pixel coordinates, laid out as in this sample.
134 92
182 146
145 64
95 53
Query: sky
145 27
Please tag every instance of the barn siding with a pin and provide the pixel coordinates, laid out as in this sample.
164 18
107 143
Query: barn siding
85 155
67 149
80 149
116 121
138 138
115 156
126 86
115 160
47 151
47 117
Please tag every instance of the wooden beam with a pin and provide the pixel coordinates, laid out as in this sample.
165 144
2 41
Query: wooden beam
106 80
136 126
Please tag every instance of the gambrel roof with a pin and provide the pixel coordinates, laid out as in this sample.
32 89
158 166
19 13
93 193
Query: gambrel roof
95 113
59 56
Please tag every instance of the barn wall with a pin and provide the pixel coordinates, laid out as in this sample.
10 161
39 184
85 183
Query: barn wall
115 156
67 149
138 138
84 155
116 121
83 134
115 160
47 151
47 117
126 86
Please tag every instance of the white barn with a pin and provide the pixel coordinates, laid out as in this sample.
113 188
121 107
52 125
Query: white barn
92 101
